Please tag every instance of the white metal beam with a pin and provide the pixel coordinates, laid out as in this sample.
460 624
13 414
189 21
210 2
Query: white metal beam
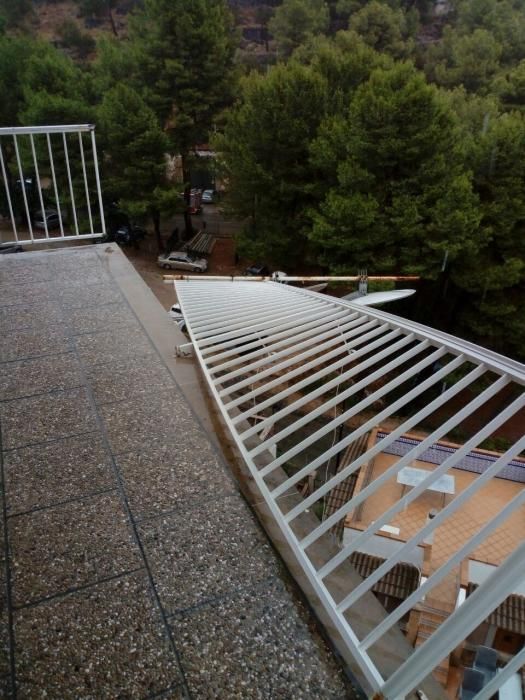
455 628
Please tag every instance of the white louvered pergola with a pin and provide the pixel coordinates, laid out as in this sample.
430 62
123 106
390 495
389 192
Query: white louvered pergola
300 378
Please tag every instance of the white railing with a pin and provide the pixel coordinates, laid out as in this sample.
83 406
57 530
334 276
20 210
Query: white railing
51 184
290 356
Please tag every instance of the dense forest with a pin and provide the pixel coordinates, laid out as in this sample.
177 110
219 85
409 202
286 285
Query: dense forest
386 134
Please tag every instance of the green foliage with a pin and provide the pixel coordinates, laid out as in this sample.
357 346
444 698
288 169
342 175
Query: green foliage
510 87
398 197
384 29
344 62
184 57
114 63
264 149
295 21
504 21
15 11
135 147
14 55
470 60
72 37
129 131
55 89
493 280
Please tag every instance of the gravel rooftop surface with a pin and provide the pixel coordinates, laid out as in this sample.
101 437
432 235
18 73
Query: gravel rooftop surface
130 564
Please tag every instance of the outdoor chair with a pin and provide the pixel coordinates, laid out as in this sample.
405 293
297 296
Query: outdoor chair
485 662
473 682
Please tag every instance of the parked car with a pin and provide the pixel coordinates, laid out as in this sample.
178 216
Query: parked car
6 250
50 216
257 270
195 201
176 313
182 261
209 196
125 235
181 323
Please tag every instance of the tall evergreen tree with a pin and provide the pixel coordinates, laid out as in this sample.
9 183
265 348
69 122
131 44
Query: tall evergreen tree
184 54
265 145
134 168
399 199
265 153
295 21
384 29
184 57
492 282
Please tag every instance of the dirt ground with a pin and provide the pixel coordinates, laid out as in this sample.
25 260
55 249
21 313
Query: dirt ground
221 262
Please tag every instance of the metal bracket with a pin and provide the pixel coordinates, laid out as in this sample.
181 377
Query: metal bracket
185 350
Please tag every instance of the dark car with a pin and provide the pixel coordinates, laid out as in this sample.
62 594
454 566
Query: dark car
257 270
6 250
49 217
127 235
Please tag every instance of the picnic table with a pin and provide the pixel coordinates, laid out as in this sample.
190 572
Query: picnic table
201 244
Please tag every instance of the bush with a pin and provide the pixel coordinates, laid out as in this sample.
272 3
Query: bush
73 38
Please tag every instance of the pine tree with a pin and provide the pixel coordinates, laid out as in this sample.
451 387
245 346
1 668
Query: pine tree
297 20
134 168
184 60
264 149
399 198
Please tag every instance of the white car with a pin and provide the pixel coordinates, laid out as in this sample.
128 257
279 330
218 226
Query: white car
182 261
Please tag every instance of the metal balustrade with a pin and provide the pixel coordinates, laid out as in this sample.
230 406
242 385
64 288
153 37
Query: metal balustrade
278 358
49 168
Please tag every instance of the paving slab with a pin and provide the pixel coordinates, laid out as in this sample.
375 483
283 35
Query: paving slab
103 642
123 342
168 477
39 375
88 295
75 544
18 272
20 316
165 416
255 644
121 379
45 475
215 544
34 342
57 414
35 292
98 318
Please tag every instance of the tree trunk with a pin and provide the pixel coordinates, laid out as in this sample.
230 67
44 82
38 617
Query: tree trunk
112 19
188 225
155 216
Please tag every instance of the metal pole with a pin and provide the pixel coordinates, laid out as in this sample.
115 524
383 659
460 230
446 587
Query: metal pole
82 158
73 205
6 183
23 186
44 217
55 187
97 177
